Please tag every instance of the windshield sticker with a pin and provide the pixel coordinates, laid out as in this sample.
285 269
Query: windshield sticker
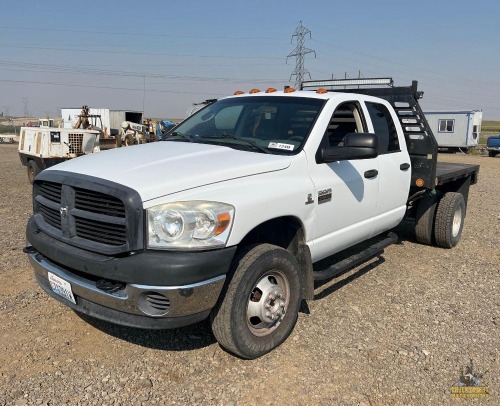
279 145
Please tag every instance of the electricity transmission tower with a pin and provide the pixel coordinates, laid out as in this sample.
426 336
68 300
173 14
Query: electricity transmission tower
25 102
299 52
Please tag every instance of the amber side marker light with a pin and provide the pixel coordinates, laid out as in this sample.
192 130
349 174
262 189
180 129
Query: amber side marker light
223 221
419 182
254 91
238 92
289 90
270 90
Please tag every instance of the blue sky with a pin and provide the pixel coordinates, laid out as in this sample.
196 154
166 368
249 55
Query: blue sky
165 55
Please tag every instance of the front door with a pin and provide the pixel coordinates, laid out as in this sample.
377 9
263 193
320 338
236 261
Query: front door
346 191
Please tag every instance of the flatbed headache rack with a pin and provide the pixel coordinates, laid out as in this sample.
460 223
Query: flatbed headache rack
421 143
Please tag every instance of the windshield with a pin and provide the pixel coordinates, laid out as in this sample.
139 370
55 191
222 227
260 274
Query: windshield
265 124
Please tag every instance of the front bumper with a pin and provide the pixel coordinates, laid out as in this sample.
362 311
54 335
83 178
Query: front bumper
135 305
155 289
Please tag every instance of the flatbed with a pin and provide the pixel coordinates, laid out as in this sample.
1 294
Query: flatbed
449 172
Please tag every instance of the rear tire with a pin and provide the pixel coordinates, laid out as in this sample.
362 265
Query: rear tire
33 170
258 308
424 221
492 154
449 221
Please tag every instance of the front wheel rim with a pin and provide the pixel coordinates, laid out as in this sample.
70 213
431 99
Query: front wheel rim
268 303
457 221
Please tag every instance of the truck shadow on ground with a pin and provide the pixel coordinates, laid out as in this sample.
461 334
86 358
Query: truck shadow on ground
192 337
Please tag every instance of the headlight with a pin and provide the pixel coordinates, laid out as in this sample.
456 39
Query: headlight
189 225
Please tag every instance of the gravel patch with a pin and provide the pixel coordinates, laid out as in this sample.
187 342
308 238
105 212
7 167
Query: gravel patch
395 331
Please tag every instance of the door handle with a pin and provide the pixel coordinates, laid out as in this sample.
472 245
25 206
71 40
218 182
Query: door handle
404 166
371 173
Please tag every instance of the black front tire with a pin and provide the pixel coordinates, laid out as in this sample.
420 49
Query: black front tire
259 305
449 223
33 170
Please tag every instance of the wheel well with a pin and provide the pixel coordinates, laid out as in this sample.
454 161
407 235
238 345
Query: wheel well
279 231
288 233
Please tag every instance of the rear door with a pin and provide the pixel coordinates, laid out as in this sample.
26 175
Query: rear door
394 165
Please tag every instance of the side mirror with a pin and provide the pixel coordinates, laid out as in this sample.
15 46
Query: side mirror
356 146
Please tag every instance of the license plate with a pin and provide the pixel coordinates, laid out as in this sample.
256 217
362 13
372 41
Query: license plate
61 287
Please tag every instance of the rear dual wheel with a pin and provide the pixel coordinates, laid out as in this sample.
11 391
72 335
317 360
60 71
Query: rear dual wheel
449 222
260 303
440 220
424 221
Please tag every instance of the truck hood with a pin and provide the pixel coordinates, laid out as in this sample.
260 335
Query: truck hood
162 168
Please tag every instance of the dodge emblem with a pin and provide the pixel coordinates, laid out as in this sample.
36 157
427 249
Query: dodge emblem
64 212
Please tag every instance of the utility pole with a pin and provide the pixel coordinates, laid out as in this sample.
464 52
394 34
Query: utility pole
25 102
299 52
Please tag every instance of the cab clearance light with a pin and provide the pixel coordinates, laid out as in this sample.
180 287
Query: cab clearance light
419 182
321 90
254 91
270 90
289 90
238 92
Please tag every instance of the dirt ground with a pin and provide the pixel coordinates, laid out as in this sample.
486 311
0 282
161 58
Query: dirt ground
399 330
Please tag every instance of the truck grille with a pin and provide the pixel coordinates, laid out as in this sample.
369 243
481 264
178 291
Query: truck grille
51 191
51 216
101 203
87 216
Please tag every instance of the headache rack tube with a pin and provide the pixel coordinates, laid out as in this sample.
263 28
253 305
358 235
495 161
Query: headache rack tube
421 143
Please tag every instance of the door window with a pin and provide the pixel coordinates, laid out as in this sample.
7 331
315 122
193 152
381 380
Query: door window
384 127
347 118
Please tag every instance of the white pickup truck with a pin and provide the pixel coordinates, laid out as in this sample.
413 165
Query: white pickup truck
239 202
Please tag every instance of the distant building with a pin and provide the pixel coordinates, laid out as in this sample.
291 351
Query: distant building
455 130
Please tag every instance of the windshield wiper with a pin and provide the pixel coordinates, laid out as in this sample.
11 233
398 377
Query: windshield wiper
233 137
177 134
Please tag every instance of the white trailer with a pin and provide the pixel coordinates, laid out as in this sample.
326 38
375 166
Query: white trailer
110 119
42 147
455 130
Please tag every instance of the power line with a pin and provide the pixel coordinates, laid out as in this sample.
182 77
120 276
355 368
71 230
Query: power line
104 51
25 103
50 68
139 34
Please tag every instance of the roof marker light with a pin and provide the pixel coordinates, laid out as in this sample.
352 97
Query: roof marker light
270 90
254 91
238 92
289 90
321 90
